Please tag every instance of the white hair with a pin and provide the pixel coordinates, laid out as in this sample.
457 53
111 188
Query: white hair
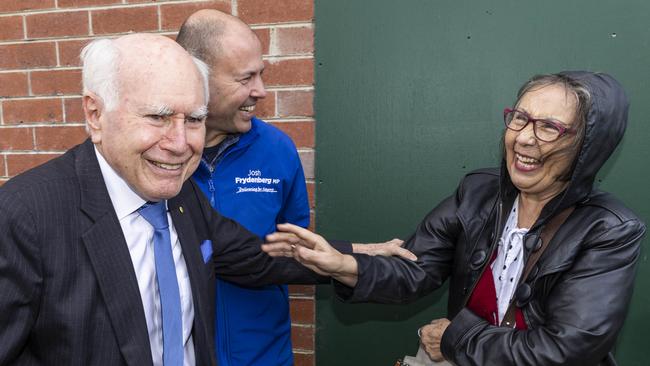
204 70
100 59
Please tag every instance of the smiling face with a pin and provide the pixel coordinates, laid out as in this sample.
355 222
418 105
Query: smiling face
235 85
536 167
154 137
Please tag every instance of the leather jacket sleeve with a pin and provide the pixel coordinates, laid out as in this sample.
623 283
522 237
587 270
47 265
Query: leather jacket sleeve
584 311
397 280
237 255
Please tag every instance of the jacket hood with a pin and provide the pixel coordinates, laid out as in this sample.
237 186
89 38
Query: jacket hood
604 129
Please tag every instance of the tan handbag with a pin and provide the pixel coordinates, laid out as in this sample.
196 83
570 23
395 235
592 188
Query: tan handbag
420 359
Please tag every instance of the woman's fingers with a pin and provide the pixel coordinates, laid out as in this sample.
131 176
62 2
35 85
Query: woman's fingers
313 251
278 249
282 237
307 238
431 335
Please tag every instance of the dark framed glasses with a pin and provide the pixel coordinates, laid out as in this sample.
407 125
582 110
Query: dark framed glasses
546 130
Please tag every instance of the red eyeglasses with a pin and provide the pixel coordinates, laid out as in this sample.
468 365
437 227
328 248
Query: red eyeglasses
544 129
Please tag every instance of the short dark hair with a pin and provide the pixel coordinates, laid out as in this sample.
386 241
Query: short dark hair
201 38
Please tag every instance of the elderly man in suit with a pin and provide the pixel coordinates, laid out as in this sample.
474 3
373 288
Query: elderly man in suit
106 253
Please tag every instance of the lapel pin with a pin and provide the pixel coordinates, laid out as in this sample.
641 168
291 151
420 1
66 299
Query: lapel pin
180 208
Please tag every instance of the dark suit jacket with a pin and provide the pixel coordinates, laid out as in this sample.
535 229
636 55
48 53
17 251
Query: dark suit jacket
68 290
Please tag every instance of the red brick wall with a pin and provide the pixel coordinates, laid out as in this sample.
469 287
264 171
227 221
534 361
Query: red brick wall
40 83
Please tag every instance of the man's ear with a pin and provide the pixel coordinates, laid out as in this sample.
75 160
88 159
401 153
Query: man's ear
93 110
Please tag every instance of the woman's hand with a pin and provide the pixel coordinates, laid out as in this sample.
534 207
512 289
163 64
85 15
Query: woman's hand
386 249
430 337
313 251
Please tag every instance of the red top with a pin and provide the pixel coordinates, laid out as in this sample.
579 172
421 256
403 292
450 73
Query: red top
483 301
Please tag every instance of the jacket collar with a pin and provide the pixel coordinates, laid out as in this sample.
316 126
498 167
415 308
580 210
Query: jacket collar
111 261
245 140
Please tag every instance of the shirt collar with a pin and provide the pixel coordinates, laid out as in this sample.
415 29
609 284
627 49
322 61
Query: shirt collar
212 155
125 200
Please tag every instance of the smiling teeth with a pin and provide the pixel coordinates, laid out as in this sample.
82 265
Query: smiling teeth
527 160
248 108
166 166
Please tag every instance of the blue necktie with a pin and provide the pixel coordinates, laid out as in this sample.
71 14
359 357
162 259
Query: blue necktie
170 300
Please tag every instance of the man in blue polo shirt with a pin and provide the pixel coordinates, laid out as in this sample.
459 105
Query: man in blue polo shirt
251 173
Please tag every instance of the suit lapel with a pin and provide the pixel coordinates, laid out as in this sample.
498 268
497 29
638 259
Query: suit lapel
199 275
111 261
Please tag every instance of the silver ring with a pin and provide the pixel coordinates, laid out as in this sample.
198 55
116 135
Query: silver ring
420 332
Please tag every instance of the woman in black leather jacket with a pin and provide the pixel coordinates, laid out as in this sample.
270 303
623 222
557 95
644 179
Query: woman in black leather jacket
571 307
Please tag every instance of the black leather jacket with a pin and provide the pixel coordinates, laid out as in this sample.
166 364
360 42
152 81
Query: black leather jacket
579 291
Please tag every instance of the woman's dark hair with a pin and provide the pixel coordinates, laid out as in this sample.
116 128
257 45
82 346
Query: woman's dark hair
583 105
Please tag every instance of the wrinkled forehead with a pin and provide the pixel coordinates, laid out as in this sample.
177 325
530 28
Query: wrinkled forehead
550 101
556 91
161 78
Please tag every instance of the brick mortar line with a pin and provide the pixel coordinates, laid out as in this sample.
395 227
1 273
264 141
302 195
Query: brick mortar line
234 7
274 118
287 25
263 26
273 47
276 104
301 297
44 40
92 36
303 351
303 325
54 68
1 113
24 27
276 88
4 157
292 24
34 139
30 92
98 7
297 56
57 53
32 125
289 120
159 16
42 97
32 152
63 114
289 56
91 31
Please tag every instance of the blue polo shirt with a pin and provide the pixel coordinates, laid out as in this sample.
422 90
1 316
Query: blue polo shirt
258 181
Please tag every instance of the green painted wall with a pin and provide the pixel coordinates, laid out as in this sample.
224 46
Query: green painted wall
408 99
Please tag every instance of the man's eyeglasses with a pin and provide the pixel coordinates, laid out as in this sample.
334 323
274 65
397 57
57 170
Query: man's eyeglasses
545 129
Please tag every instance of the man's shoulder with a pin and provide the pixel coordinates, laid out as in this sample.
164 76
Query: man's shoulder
48 175
44 187
270 134
265 146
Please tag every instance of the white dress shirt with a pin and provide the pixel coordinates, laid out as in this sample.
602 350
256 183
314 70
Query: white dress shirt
509 263
139 238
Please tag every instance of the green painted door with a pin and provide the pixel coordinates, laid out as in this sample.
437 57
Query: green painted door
408 99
